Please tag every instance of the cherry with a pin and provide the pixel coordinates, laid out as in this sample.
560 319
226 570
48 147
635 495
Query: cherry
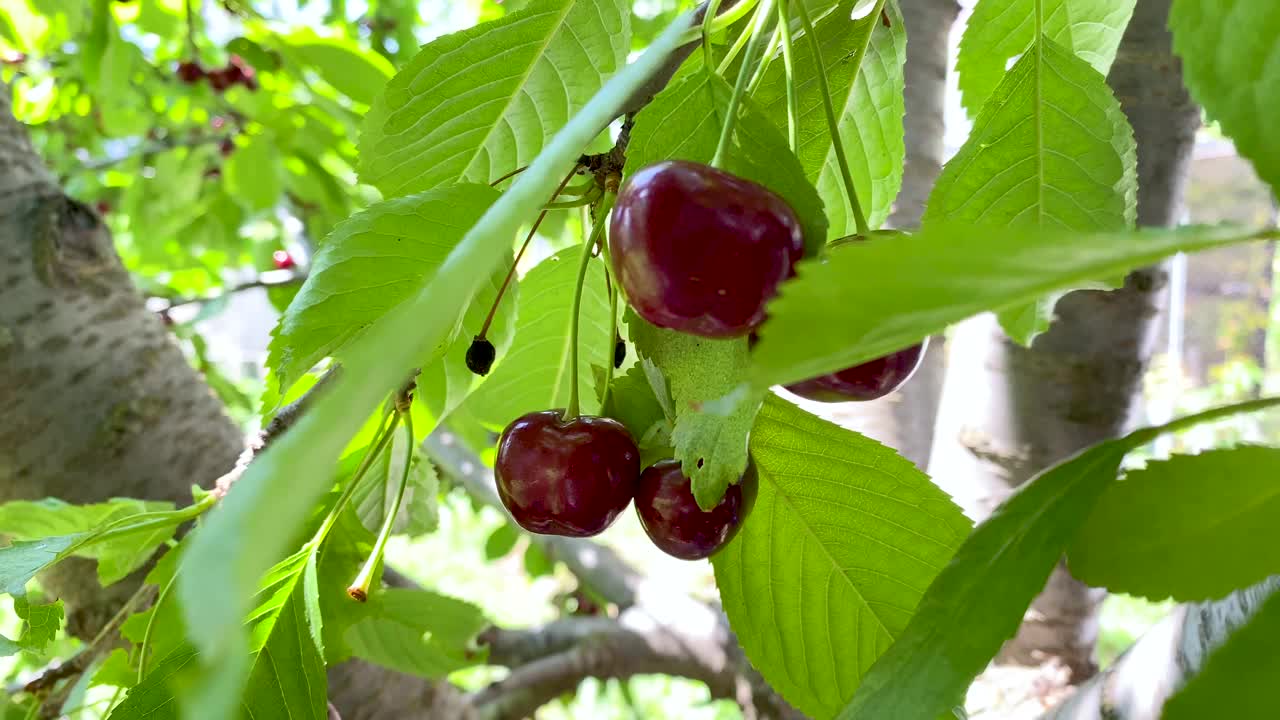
220 80
103 207
868 381
674 522
480 356
619 351
190 72
226 146
566 477
282 259
699 250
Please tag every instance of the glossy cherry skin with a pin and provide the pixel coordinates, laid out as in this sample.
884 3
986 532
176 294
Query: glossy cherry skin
673 520
566 478
701 251
868 381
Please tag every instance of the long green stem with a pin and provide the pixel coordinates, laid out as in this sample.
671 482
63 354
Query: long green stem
708 21
731 116
151 623
613 339
788 63
359 589
738 44
375 449
1218 413
837 145
597 234
722 20
766 59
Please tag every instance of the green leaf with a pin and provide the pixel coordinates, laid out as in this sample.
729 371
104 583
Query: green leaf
1051 148
419 511
500 542
536 373
274 497
480 103
40 623
1236 681
536 561
20 561
711 447
869 110
374 262
153 699
1000 30
1228 63
287 679
417 632
683 122
633 402
1192 527
28 520
254 174
870 299
979 599
843 539
354 71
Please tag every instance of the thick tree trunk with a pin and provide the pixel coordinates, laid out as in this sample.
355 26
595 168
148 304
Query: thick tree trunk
1080 382
905 419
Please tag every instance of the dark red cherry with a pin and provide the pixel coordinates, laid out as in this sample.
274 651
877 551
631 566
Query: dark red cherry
673 520
220 80
190 72
699 250
282 259
559 477
480 356
868 381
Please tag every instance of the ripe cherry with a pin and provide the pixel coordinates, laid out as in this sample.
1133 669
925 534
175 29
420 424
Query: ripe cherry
868 381
699 250
190 72
566 477
673 520
220 80
282 259
226 146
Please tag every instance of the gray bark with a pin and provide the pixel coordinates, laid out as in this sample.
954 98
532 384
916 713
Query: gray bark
1137 685
1078 383
905 419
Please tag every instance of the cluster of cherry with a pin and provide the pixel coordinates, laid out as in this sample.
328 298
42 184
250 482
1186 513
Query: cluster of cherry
699 251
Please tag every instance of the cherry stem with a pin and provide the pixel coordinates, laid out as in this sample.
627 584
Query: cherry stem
151 621
506 281
613 337
739 44
720 21
359 588
793 101
597 235
375 449
191 31
589 197
508 176
837 145
731 117
767 58
713 6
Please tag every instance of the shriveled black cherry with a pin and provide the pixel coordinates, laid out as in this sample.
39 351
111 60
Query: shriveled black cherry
619 352
869 381
559 477
699 250
674 522
480 356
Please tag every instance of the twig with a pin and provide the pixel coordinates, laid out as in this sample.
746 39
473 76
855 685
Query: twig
262 281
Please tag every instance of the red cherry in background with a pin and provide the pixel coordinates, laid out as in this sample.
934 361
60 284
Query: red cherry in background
190 72
674 522
699 250
571 478
869 381
282 259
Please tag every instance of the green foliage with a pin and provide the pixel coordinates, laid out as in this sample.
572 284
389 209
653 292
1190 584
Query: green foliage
417 632
1227 62
28 520
353 70
536 374
1236 682
634 402
153 698
419 507
254 174
1050 148
869 299
374 262
978 600
1000 30
683 122
843 539
1192 527
475 105
263 511
869 108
